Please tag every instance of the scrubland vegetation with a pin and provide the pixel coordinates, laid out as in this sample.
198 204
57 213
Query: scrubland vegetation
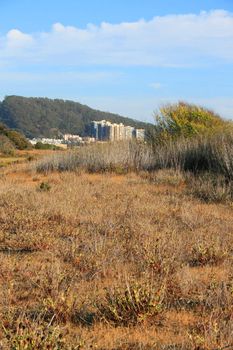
121 246
205 162
10 141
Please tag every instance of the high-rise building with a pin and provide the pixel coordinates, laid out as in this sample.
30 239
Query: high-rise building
116 132
121 131
129 132
140 134
94 130
106 131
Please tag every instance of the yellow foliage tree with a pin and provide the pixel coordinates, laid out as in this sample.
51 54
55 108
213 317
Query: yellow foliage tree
188 120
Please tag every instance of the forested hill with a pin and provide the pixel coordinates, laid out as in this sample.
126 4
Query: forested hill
43 117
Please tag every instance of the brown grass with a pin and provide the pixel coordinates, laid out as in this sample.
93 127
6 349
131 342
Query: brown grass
23 156
63 249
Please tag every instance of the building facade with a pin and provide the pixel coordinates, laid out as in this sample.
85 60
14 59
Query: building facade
106 131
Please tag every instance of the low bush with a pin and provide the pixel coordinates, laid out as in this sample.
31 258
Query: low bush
45 146
18 139
10 140
202 254
6 146
44 187
130 306
28 334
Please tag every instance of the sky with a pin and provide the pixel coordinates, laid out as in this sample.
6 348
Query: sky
127 57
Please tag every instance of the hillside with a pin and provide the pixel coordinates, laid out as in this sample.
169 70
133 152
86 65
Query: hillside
43 117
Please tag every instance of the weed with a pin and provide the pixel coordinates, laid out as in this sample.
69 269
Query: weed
29 335
44 187
202 254
131 306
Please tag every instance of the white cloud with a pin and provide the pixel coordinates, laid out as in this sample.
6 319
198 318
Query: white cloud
15 38
172 40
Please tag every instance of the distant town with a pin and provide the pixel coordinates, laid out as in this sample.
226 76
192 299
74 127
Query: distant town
100 131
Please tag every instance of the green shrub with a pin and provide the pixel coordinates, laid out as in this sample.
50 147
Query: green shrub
6 146
13 138
18 139
44 146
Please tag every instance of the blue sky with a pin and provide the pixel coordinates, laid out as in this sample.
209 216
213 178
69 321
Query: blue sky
127 57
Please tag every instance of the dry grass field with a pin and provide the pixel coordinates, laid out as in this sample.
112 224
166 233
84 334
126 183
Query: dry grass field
107 261
22 156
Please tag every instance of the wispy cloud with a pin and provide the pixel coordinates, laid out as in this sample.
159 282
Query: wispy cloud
156 86
172 40
60 77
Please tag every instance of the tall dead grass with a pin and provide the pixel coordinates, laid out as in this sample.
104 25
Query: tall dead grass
121 156
211 154
206 161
